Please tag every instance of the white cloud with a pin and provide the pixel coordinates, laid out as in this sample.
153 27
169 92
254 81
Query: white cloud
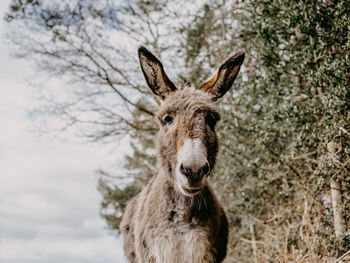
61 250
49 204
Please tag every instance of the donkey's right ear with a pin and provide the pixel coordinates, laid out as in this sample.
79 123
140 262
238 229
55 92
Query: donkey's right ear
154 74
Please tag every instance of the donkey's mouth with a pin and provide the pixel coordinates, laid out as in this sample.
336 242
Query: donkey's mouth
193 191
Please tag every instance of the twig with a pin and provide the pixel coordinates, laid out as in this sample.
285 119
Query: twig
342 257
255 250
345 131
282 162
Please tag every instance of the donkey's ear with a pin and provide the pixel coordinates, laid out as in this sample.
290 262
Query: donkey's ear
154 74
219 83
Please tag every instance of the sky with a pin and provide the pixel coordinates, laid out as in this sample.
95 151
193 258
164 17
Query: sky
49 203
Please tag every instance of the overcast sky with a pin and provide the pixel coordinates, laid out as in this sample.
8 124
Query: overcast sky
49 204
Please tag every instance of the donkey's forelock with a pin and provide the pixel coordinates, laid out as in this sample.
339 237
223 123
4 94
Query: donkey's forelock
187 98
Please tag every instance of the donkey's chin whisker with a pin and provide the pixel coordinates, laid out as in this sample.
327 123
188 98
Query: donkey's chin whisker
193 191
195 188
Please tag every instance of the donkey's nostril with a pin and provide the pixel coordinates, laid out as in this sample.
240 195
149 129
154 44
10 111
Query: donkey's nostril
182 169
204 170
186 171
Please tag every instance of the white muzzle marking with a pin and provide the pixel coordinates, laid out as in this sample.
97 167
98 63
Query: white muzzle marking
193 155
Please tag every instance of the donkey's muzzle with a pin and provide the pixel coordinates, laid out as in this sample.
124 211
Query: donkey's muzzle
194 176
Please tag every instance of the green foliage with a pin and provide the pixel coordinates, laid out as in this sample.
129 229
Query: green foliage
275 165
209 38
114 201
139 167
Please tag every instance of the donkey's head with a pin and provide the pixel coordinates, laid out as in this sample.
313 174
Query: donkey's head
187 143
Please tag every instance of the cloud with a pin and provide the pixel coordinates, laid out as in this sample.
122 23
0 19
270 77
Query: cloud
61 250
49 204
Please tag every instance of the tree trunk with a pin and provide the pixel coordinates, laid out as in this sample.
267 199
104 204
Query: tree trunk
336 195
336 204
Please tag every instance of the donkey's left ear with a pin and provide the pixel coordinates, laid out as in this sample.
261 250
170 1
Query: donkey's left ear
154 74
219 83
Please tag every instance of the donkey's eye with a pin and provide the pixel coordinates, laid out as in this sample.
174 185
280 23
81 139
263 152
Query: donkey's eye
210 120
168 120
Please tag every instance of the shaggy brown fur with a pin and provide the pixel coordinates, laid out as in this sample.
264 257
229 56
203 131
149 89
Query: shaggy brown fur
164 223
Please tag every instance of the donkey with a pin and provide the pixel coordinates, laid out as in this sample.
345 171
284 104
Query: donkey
177 218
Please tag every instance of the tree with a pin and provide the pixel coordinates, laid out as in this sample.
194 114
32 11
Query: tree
93 47
304 49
